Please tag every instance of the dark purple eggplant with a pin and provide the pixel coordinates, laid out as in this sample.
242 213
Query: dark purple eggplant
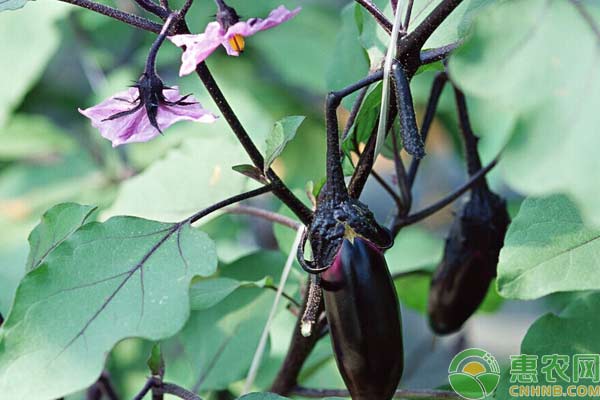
463 277
364 317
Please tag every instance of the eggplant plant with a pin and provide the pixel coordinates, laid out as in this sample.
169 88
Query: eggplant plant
161 288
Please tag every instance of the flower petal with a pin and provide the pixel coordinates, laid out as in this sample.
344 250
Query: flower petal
168 115
253 25
198 47
136 127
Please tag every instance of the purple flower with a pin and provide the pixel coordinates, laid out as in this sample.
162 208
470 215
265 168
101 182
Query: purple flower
229 35
131 116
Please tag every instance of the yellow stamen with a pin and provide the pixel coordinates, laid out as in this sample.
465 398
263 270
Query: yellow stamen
237 43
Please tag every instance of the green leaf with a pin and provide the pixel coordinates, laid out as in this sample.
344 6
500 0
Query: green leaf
573 331
547 249
20 69
217 344
251 172
126 277
552 147
32 136
283 131
208 292
56 225
188 179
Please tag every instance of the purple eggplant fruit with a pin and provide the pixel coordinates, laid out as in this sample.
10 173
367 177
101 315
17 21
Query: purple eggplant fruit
364 317
462 279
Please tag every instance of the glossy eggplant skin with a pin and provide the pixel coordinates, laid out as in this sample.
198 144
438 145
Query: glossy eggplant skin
462 279
364 317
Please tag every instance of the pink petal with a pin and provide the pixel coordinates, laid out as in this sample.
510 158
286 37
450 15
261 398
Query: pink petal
253 25
168 115
198 47
136 127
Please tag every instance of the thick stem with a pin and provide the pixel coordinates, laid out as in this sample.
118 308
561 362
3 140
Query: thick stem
469 138
298 352
280 190
122 16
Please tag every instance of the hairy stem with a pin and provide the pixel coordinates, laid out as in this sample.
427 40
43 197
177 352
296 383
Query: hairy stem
372 9
119 15
280 190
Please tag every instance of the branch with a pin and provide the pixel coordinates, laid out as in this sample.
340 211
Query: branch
400 393
439 53
122 16
372 9
264 214
153 8
432 209
228 202
280 190
175 390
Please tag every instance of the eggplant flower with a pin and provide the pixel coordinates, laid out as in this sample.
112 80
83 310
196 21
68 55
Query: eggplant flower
228 31
144 111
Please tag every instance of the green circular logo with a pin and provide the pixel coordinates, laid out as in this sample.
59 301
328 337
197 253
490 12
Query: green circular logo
474 374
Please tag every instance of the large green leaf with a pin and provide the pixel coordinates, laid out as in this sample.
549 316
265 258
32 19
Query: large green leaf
209 292
32 29
188 179
552 146
57 224
547 249
217 344
573 331
127 277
